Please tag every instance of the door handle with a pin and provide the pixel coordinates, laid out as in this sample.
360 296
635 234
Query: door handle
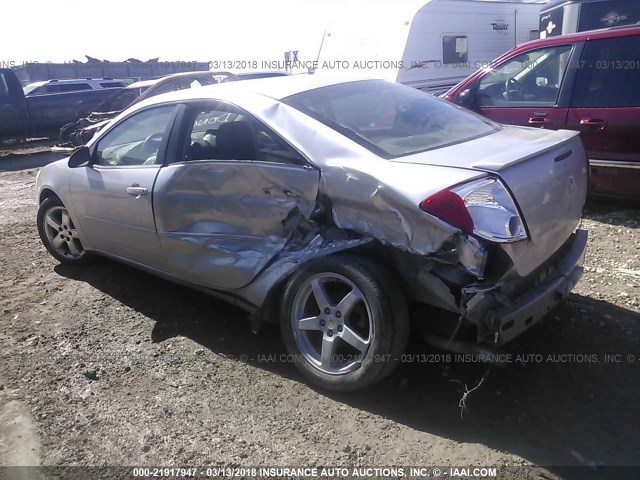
540 121
137 190
593 122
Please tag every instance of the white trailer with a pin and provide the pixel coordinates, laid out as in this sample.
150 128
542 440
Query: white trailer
428 45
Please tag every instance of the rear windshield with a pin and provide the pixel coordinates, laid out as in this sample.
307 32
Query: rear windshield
390 119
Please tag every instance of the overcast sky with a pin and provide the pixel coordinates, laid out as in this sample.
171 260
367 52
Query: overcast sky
42 30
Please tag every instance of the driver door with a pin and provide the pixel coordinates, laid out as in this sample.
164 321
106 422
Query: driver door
113 194
527 89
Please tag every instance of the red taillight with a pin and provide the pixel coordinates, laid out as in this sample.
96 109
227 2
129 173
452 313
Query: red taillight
449 207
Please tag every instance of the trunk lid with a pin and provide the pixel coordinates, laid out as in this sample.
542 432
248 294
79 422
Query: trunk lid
547 174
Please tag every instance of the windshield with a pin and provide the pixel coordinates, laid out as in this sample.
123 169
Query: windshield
390 119
120 100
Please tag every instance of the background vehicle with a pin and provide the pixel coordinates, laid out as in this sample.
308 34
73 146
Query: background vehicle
341 205
428 45
81 130
73 85
29 72
586 82
560 17
40 115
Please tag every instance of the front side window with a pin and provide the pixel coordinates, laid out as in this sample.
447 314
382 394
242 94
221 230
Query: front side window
390 119
609 74
136 140
224 132
454 49
529 79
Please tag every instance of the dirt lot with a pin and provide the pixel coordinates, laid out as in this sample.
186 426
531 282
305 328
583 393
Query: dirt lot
110 366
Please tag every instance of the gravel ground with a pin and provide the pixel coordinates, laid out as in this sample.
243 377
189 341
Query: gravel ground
111 366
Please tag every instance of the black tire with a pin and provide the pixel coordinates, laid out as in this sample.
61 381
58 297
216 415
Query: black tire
381 301
71 251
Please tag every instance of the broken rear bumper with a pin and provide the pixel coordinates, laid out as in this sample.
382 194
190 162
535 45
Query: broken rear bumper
542 292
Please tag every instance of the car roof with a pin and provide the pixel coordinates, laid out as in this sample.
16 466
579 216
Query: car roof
248 73
272 87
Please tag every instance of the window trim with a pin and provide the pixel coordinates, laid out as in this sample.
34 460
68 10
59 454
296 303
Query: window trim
566 86
182 134
162 149
456 36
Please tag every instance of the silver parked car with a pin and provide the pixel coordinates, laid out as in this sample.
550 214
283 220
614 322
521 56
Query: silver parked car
336 208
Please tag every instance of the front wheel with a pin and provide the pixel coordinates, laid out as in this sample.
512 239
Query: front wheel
58 233
344 321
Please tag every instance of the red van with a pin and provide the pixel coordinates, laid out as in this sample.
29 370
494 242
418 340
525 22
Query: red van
588 81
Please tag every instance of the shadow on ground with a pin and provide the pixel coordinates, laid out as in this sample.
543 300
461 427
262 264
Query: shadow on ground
13 163
572 401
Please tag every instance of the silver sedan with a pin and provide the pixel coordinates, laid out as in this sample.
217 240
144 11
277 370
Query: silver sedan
339 209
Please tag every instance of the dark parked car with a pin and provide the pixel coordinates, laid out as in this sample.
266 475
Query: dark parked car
588 82
334 208
23 116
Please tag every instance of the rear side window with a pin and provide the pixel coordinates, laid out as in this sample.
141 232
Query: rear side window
111 84
60 88
74 87
610 74
224 132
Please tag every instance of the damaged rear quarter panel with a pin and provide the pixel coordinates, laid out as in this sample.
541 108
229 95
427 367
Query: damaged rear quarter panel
368 194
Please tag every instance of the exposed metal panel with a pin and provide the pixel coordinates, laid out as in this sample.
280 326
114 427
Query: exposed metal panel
221 222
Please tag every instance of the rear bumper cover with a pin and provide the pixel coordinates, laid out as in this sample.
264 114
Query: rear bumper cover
501 325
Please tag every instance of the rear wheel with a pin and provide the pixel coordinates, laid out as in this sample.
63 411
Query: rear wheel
58 233
345 322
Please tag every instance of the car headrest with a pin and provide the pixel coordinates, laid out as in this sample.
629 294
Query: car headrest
236 141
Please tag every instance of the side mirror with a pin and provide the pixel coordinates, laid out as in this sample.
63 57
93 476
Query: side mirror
80 158
465 99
